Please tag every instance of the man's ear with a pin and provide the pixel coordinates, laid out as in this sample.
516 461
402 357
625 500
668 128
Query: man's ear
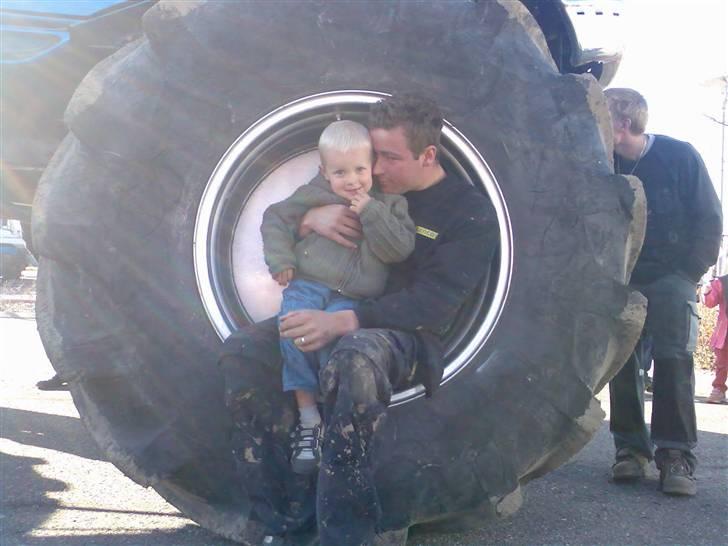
625 124
429 156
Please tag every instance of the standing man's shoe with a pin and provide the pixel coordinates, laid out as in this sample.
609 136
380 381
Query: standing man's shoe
676 475
629 465
55 383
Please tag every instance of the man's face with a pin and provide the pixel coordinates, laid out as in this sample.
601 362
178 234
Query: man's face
348 172
620 127
395 168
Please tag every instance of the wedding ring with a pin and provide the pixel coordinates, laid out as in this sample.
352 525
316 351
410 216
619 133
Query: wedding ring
301 340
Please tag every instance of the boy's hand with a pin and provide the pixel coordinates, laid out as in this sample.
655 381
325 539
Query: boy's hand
359 201
283 277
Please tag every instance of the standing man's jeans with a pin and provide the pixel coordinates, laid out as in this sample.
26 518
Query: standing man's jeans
672 324
356 384
300 370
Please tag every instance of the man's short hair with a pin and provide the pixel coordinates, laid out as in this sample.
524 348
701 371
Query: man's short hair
418 115
342 136
625 103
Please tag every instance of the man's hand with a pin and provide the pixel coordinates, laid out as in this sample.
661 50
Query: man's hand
283 277
335 222
311 330
359 201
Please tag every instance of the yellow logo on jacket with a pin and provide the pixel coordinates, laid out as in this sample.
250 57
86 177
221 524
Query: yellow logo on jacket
427 233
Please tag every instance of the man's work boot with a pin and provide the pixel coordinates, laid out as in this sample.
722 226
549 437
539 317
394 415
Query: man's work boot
629 465
676 476
55 383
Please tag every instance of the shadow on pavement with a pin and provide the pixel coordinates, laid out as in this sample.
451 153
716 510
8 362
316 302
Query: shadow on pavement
24 503
48 431
191 535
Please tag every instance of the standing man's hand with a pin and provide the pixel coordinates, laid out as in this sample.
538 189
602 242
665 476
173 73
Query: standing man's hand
335 222
311 329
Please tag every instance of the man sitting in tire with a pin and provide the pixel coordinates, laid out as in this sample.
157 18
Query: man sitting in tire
683 234
386 344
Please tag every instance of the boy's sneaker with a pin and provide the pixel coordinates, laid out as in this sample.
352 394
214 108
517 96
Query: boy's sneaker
716 396
676 476
306 446
629 465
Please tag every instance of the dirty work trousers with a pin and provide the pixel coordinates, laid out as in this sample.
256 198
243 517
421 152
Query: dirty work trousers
672 325
356 385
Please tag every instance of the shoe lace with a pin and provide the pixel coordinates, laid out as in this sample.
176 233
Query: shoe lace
679 467
306 438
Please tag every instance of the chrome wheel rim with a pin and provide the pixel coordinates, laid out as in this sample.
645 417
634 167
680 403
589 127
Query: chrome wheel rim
234 286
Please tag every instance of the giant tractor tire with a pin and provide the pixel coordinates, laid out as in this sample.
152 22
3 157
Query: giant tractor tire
147 218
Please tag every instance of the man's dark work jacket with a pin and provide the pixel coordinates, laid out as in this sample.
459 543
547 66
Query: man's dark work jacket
684 218
457 238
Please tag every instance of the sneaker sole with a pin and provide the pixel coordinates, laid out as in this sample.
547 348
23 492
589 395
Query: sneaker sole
628 475
304 467
63 387
626 479
680 490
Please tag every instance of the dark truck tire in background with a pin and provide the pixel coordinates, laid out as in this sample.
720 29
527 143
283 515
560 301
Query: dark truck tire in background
123 311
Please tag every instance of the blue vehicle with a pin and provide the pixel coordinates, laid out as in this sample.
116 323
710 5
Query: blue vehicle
47 49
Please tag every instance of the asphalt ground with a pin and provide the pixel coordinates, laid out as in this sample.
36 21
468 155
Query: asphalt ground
57 489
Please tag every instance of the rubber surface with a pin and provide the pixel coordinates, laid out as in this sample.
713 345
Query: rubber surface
118 308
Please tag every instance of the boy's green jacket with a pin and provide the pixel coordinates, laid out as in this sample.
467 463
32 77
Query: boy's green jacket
388 237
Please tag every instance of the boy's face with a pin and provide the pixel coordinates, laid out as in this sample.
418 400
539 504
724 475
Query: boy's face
348 172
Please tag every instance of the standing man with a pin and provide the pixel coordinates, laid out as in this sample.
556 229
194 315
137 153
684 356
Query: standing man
684 226
384 345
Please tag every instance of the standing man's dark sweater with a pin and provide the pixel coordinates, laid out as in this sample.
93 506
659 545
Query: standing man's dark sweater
684 223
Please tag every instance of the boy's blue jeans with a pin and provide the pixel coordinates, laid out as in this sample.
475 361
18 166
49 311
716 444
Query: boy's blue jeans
300 370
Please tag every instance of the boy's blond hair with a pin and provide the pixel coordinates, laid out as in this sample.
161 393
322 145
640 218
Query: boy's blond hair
343 136
625 103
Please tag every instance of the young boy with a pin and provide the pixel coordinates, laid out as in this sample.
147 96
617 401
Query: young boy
322 274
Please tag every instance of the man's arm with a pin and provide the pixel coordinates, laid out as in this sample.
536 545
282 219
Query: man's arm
335 222
706 216
443 283
440 287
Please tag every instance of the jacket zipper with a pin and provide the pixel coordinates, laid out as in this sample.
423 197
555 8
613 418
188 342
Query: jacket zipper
346 277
